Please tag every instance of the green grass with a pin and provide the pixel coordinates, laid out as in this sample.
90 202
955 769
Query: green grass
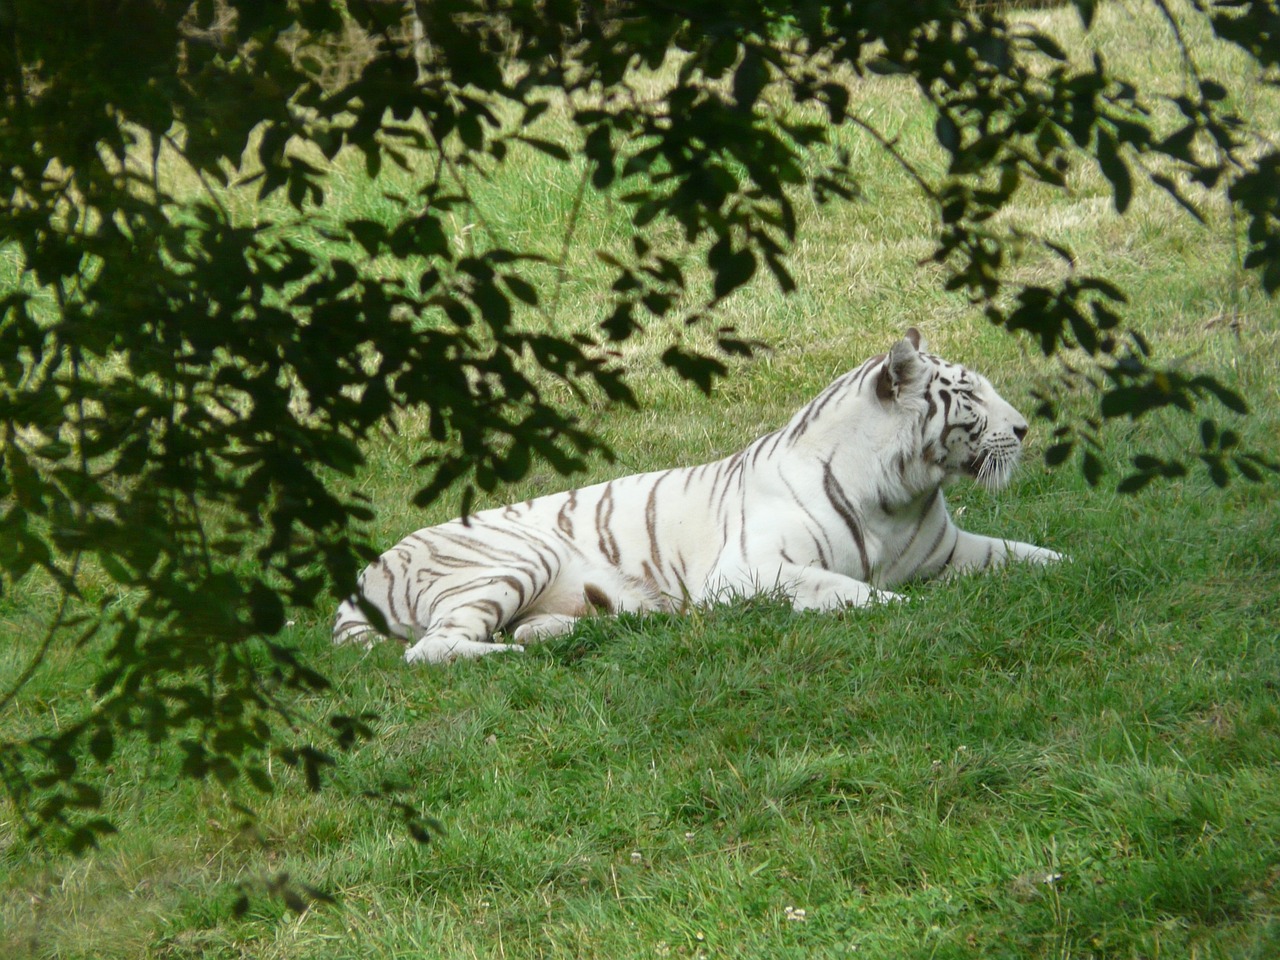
1079 761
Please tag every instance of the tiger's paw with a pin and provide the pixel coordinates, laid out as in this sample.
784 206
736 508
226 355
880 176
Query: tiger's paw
444 650
1045 555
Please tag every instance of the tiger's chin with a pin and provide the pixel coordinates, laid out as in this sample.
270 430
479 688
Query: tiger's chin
992 469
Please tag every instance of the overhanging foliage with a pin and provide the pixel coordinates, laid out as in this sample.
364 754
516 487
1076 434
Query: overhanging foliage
183 388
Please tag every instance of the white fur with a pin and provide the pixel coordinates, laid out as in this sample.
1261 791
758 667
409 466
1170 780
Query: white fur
834 509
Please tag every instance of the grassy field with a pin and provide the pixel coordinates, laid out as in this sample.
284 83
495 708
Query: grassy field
1079 761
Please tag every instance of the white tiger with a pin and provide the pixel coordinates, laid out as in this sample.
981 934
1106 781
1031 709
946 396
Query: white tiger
842 503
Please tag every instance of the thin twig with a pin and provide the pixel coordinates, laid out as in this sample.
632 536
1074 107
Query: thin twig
68 580
45 642
891 147
1187 60
570 229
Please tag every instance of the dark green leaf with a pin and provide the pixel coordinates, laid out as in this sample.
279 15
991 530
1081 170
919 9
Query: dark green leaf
553 150
1091 467
259 779
749 79
1115 170
1249 469
699 369
370 235
522 289
471 131
947 132
102 744
1047 45
1058 453
1134 482
266 609
1173 190
731 268
85 836
1226 396
1208 433
1212 90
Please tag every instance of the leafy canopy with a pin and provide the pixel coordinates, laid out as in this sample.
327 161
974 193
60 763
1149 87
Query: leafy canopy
185 391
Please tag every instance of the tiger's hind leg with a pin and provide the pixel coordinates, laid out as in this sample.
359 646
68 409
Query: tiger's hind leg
463 611
447 643
437 644
584 590
447 590
540 626
455 638
352 626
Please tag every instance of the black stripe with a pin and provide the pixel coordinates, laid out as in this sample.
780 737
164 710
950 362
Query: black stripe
823 559
651 521
606 541
840 502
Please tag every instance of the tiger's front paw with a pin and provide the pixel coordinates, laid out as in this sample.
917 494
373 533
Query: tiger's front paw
1045 555
442 650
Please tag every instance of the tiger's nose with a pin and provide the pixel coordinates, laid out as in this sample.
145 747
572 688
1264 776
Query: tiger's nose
1020 432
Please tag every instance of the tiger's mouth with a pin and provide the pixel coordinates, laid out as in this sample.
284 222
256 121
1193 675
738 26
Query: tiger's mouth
992 468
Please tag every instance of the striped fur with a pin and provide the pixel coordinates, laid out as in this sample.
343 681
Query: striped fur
835 508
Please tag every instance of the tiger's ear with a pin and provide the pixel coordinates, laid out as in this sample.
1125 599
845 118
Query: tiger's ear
916 339
903 368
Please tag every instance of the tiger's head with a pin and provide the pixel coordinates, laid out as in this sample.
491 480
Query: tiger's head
963 427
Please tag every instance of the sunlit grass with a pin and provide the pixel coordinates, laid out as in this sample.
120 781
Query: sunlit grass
1071 762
